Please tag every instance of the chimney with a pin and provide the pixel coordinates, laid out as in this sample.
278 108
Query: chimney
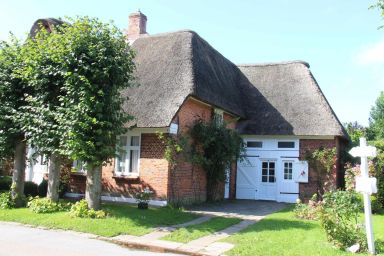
137 26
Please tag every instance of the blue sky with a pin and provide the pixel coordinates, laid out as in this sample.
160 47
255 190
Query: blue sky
339 39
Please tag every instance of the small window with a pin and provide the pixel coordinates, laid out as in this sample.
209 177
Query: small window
218 116
288 170
78 166
254 144
286 144
268 172
127 162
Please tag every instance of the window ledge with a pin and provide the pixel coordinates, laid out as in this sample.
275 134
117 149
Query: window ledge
78 174
127 177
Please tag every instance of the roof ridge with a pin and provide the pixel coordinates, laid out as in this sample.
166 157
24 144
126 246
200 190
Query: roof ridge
168 33
274 63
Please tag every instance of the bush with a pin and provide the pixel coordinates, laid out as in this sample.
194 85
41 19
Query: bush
46 205
5 183
80 209
6 201
339 215
375 203
43 188
308 211
30 189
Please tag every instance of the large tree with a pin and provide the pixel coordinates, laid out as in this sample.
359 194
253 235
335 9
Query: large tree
13 94
97 64
376 120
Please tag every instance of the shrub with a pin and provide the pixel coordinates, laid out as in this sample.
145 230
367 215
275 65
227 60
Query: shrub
5 183
80 209
308 211
43 188
144 196
6 201
375 203
30 189
339 217
46 205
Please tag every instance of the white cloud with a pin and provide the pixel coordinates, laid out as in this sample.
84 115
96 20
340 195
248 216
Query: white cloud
371 54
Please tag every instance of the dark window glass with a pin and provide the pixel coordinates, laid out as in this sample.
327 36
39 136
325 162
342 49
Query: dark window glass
265 165
264 179
286 144
271 171
264 172
254 144
271 179
271 164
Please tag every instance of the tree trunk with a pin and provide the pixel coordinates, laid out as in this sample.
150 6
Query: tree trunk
18 174
93 187
54 177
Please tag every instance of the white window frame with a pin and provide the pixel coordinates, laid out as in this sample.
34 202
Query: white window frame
291 179
268 171
218 113
128 149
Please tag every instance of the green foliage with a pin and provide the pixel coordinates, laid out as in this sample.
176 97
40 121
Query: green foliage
6 200
46 205
308 211
376 120
43 188
215 148
355 132
323 161
174 145
80 209
13 93
380 6
5 183
144 196
339 218
30 189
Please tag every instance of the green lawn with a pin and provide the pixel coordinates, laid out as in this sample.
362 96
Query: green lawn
187 234
282 234
124 219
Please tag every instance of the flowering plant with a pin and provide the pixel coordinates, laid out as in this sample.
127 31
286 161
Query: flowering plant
144 196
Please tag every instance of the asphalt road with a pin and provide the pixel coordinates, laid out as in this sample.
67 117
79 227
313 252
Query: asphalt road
18 240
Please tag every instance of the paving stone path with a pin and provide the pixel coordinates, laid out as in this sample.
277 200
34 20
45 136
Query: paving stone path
249 211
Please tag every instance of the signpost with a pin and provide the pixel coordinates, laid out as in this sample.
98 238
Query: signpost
366 186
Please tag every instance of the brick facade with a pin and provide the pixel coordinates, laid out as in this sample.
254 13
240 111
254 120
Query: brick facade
309 145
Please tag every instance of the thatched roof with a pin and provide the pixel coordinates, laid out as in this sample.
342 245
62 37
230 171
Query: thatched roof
47 23
285 99
172 66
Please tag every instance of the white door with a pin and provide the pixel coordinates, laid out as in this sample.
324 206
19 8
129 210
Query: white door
267 182
289 188
246 181
227 180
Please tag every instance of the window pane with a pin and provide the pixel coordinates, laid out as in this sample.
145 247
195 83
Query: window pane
271 179
271 171
264 178
264 172
272 165
135 140
123 141
286 144
290 165
134 161
254 144
265 164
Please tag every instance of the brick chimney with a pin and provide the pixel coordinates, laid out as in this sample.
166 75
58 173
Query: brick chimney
137 26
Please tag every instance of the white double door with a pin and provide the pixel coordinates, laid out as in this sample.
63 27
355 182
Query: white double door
264 179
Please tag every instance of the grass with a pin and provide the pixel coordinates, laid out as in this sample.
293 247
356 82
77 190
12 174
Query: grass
124 219
187 234
282 234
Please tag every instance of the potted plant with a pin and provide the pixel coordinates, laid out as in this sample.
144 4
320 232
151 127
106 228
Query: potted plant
143 197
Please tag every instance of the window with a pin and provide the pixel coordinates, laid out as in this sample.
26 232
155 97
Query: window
254 144
128 155
78 166
287 170
268 172
218 116
286 144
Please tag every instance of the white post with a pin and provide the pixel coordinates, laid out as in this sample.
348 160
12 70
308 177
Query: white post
367 201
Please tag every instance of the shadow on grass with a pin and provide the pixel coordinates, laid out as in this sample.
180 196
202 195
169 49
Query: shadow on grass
278 225
152 217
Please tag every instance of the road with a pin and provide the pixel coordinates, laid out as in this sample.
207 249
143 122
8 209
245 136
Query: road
17 240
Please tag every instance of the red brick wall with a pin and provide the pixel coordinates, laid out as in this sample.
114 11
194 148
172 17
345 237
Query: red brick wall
309 145
153 173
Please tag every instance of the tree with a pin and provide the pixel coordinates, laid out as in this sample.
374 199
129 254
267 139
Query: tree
96 64
376 120
355 132
43 71
13 94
